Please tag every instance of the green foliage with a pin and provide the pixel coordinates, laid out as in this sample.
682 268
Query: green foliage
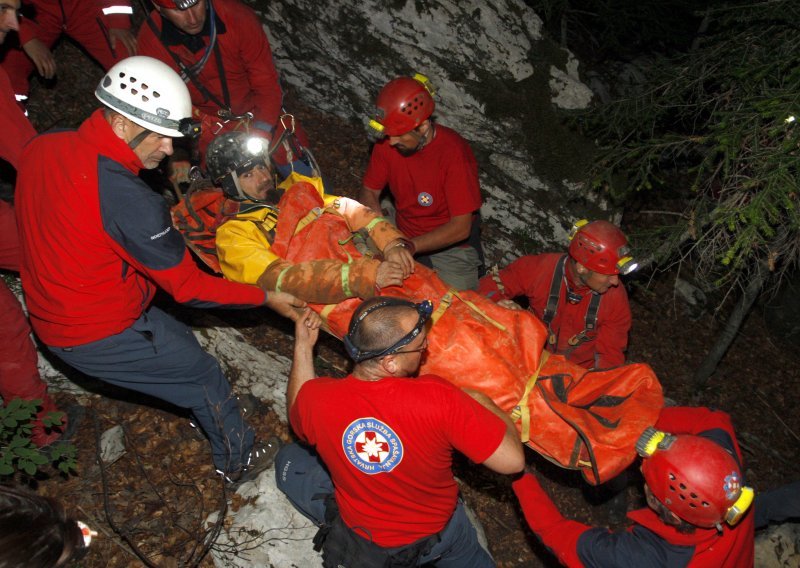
720 118
18 453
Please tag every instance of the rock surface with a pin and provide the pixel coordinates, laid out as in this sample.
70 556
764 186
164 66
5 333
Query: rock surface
500 83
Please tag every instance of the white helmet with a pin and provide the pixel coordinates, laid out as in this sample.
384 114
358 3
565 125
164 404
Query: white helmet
151 94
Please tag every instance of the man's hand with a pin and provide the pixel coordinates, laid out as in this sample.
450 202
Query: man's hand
306 329
509 304
125 37
285 304
389 274
42 58
402 256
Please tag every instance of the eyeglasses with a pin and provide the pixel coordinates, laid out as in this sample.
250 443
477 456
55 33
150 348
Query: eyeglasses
423 347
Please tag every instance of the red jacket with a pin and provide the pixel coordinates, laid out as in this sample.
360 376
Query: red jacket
531 276
97 241
246 60
649 542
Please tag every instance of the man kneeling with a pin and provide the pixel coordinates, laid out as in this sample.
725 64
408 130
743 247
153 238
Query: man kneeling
387 436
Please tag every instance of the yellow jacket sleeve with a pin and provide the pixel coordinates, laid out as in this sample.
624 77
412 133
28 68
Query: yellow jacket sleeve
243 250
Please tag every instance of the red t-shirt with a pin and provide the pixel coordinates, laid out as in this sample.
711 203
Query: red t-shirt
388 446
429 187
531 276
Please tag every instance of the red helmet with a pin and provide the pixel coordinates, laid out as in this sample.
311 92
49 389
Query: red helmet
601 247
402 105
694 478
176 4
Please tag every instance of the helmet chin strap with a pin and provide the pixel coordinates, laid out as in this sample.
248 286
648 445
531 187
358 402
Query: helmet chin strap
423 138
139 138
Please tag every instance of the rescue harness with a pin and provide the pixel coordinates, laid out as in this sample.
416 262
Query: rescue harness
590 319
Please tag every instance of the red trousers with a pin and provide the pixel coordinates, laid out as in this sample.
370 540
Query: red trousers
80 20
19 375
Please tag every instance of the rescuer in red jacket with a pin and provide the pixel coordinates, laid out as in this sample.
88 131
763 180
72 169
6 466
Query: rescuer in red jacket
97 243
19 375
698 503
577 295
222 53
101 27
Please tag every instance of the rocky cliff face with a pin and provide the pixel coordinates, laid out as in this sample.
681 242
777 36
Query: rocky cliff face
500 84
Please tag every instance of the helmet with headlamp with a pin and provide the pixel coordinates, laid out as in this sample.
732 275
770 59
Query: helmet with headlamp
402 105
694 477
601 247
149 93
232 154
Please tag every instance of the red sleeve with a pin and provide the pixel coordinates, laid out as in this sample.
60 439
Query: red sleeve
519 276
472 429
558 533
614 324
28 28
188 284
116 14
17 130
257 56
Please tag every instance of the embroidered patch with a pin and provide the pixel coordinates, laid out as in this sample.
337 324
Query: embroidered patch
732 486
372 446
425 199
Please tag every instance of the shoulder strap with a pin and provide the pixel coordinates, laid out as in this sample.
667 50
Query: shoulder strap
555 292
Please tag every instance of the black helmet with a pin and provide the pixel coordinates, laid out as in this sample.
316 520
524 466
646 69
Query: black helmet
232 154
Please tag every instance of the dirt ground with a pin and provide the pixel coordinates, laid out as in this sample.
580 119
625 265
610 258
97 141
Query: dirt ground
155 498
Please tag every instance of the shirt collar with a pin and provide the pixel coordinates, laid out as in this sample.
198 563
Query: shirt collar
171 35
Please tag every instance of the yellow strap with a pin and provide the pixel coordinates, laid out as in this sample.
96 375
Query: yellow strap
310 216
522 410
444 303
346 280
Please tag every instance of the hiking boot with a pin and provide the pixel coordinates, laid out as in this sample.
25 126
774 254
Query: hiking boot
261 457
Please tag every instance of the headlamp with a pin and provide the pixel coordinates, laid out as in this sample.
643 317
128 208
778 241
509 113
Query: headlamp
377 127
189 128
185 4
626 264
738 509
424 310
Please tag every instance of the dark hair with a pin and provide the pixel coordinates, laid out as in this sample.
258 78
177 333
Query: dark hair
35 531
382 328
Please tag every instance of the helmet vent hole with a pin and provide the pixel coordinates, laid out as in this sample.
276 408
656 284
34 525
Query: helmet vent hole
705 504
682 486
121 75
156 94
672 477
123 86
693 495
132 79
692 505
682 496
134 91
145 98
671 488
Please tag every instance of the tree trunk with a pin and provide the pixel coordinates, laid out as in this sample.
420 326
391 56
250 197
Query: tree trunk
731 329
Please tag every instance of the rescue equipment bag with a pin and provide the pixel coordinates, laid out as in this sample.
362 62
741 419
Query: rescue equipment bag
584 420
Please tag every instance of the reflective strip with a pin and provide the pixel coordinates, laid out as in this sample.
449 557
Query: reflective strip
21 98
279 281
346 281
374 222
117 10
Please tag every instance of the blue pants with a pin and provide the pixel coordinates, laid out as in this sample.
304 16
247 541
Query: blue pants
305 481
160 357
